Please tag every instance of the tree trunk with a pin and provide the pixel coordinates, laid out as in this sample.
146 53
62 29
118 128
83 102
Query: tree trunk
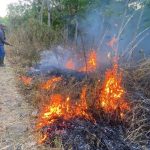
49 12
76 31
66 34
41 13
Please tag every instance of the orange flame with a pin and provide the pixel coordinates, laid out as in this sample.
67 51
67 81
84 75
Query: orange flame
63 107
26 80
43 138
112 93
70 64
49 83
91 62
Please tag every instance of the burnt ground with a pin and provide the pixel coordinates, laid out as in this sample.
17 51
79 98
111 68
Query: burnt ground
15 125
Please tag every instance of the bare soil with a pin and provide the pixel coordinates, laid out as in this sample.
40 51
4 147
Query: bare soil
16 131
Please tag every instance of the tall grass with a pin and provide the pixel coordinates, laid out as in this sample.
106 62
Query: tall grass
28 40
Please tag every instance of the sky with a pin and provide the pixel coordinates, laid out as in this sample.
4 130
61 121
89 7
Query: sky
3 6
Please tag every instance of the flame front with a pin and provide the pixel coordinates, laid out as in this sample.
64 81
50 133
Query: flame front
90 66
49 83
112 94
70 64
60 106
109 95
91 62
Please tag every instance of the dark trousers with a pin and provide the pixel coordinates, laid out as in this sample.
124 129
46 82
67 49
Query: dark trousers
2 54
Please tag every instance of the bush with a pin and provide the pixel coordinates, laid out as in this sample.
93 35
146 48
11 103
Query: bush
29 39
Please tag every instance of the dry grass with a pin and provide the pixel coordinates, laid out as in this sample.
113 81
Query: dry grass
28 40
139 127
137 82
137 77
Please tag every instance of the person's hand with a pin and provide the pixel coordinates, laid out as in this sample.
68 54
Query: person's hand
5 42
9 44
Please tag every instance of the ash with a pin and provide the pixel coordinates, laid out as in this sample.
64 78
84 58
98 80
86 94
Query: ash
81 134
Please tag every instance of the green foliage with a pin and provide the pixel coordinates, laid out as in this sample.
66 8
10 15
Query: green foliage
21 12
4 20
147 2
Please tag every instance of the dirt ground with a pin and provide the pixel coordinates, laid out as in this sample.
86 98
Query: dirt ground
16 131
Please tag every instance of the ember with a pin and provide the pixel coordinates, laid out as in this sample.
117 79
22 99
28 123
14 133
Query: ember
49 83
26 80
90 65
91 62
70 64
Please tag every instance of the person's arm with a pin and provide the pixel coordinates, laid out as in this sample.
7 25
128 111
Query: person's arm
3 40
6 43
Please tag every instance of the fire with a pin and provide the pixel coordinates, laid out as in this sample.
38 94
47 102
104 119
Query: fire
70 64
60 106
91 62
112 94
42 139
26 80
49 83
112 43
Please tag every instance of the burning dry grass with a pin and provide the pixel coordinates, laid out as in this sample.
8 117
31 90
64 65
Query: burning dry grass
69 99
65 101
70 92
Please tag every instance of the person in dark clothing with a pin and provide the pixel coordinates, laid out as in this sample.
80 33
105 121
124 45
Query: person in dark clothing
2 43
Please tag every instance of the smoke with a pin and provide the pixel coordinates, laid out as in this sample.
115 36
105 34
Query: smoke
53 58
100 25
95 29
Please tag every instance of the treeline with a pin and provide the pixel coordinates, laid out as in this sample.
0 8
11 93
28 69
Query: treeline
43 23
66 14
